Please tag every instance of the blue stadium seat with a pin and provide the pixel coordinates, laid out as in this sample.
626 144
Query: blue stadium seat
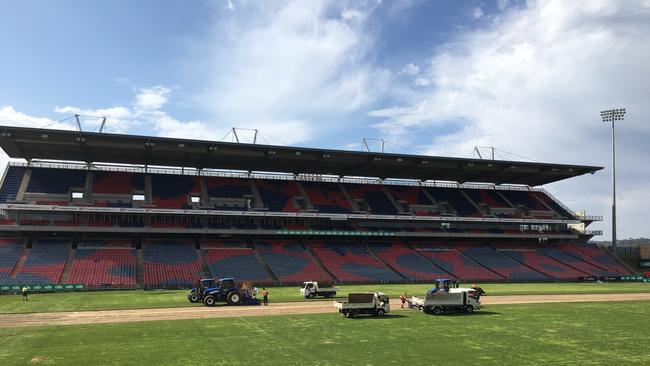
55 181
11 183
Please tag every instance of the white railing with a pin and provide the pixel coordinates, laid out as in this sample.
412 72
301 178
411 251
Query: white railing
589 218
565 207
339 217
593 232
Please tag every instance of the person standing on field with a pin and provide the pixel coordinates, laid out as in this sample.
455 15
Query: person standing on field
24 292
265 296
403 299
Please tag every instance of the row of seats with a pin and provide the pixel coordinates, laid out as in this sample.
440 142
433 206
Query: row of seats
291 262
115 189
350 262
44 263
104 267
241 263
408 262
177 263
458 265
170 264
10 251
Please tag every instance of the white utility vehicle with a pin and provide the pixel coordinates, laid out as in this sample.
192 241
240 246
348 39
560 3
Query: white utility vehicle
311 289
447 297
373 303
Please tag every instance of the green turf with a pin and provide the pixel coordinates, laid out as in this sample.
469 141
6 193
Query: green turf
550 334
97 300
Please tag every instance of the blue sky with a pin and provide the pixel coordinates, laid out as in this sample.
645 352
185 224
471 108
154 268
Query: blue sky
432 77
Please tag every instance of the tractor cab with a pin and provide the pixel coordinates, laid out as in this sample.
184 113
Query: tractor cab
204 285
226 284
444 285
207 283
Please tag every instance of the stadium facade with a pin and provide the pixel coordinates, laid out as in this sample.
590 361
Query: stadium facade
122 211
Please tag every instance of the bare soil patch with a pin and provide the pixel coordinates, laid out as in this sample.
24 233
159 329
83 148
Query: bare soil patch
286 308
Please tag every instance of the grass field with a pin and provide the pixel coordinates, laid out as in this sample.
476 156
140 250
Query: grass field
98 300
552 334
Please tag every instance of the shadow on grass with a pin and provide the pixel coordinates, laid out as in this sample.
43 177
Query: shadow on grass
476 313
387 316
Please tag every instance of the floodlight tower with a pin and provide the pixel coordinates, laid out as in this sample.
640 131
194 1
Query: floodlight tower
613 115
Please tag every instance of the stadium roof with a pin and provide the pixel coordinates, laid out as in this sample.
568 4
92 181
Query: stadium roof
92 147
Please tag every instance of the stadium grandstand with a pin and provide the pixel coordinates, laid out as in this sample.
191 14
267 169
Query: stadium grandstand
123 211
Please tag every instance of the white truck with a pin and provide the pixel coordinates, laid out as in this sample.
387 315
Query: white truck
311 289
457 300
373 303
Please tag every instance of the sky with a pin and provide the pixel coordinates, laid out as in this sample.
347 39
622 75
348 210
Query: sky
431 77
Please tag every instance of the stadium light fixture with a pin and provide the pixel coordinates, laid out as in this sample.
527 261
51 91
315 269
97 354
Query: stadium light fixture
613 115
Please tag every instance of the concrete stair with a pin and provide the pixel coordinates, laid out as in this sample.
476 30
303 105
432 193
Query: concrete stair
139 279
68 265
20 263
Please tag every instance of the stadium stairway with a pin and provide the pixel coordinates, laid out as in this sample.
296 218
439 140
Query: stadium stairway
68 265
315 260
139 277
266 267
573 261
460 266
21 262
543 264
631 268
407 262
502 264
204 265
381 260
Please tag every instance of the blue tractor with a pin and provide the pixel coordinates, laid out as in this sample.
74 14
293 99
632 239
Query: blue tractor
210 292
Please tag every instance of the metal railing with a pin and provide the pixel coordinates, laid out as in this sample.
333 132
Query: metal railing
271 175
588 217
592 232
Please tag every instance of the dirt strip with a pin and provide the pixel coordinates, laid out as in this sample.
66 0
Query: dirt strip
303 307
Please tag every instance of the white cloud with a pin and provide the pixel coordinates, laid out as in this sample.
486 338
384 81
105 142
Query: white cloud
9 116
151 98
411 69
289 66
502 4
422 81
477 13
533 82
146 114
230 5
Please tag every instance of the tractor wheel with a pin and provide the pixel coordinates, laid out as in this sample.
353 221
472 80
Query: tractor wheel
233 298
354 313
346 314
469 309
381 312
194 298
311 295
436 310
209 301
